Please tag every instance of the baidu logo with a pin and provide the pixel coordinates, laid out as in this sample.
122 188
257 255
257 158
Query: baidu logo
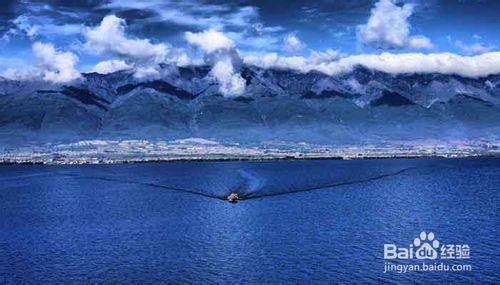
430 254
426 246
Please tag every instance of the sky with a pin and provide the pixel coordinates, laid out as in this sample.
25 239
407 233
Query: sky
58 39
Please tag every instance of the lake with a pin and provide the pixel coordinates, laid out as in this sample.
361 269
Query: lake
315 221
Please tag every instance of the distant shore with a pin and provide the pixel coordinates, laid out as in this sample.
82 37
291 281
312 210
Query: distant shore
197 150
93 160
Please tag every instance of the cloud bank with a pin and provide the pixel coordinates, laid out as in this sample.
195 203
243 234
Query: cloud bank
444 63
388 28
314 61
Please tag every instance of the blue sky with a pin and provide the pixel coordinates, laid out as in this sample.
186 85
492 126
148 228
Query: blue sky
288 28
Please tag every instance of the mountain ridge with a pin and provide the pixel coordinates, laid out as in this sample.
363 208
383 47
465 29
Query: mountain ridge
364 105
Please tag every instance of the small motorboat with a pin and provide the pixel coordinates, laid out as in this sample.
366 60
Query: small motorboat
233 198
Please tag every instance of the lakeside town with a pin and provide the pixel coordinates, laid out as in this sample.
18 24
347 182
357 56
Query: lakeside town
197 149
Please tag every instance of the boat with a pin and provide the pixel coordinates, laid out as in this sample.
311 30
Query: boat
233 198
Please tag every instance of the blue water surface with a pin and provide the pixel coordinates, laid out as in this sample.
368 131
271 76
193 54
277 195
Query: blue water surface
301 222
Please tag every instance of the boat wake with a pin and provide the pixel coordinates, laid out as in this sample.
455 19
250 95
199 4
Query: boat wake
251 187
149 184
257 195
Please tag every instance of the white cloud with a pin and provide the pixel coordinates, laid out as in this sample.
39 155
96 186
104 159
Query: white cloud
209 40
258 38
292 44
355 85
299 63
388 28
476 48
109 39
51 65
147 72
220 52
273 60
420 42
23 25
231 83
191 13
317 57
55 66
34 25
181 58
444 63
27 73
110 66
240 23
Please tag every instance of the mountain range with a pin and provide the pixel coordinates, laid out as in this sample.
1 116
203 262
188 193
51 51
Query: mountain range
364 106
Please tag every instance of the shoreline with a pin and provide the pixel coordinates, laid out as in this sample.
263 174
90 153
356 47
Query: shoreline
187 159
201 150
